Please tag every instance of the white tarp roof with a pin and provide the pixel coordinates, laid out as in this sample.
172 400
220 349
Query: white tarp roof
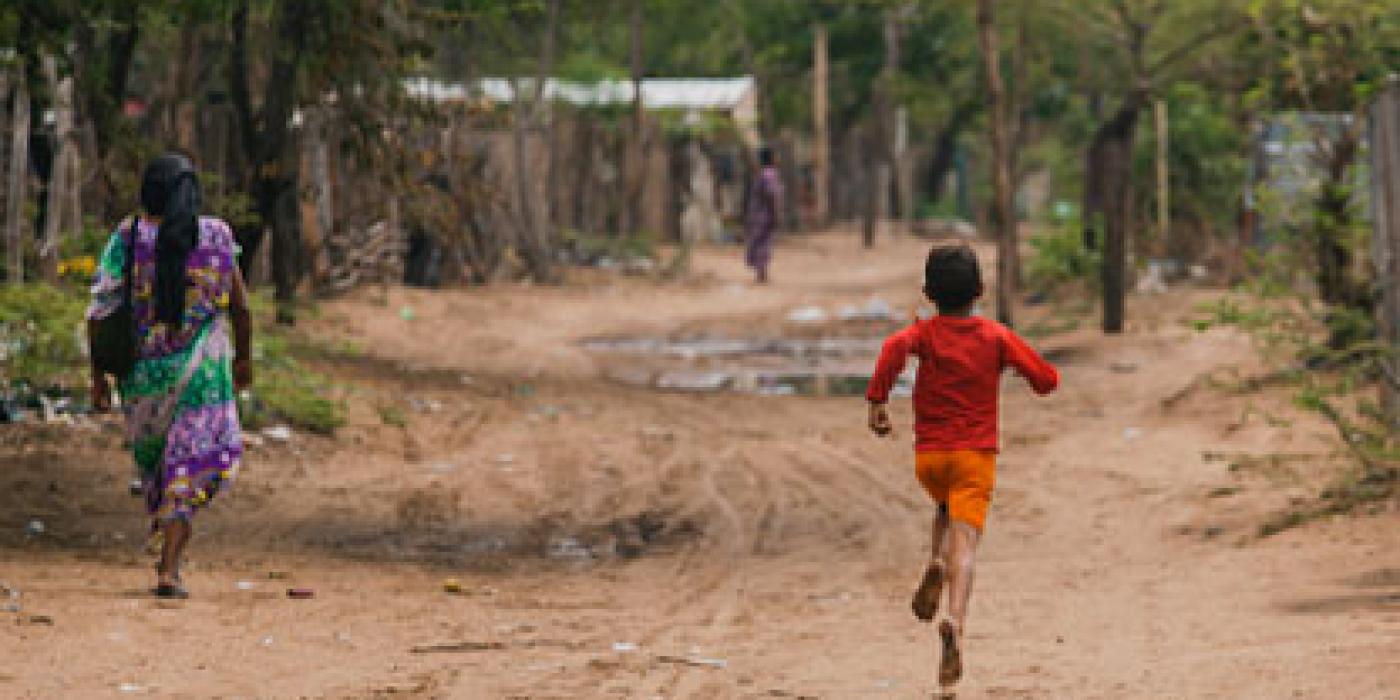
657 93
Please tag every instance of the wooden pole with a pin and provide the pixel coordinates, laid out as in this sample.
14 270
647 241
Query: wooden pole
821 146
19 176
636 161
1385 202
1163 203
1005 214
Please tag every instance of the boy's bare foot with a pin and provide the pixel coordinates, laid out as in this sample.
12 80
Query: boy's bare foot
950 667
930 589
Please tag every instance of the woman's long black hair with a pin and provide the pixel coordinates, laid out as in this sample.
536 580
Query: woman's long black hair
170 190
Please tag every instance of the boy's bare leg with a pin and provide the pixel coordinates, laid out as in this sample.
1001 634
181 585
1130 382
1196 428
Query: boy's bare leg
962 553
931 587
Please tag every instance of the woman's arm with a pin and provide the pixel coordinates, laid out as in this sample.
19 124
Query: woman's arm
101 390
242 333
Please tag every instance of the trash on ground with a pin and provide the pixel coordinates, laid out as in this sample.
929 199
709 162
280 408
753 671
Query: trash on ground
695 381
568 548
34 527
451 647
700 661
277 433
301 593
808 314
624 647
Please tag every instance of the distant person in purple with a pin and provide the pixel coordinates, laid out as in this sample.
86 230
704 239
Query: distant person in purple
765 202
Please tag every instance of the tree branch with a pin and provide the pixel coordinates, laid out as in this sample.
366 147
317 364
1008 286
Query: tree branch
1186 47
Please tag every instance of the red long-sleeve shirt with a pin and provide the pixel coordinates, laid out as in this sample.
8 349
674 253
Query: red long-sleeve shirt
956 388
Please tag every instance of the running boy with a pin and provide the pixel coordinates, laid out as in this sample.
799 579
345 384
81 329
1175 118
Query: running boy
961 358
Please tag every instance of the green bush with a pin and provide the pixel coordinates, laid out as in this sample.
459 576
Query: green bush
41 334
1058 256
286 391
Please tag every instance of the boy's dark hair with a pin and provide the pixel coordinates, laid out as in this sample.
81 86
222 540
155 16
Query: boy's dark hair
765 155
952 278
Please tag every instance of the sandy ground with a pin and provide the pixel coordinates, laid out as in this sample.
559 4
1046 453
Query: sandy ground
615 541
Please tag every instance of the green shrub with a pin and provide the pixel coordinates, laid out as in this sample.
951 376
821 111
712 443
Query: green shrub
284 390
1058 256
41 334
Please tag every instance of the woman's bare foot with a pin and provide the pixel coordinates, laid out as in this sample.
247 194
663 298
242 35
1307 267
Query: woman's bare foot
950 667
930 590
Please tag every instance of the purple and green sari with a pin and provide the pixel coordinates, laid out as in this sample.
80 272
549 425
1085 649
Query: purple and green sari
181 415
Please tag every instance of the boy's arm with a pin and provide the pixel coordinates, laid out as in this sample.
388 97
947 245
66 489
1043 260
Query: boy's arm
1041 375
891 363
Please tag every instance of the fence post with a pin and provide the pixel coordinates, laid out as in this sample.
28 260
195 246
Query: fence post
1385 203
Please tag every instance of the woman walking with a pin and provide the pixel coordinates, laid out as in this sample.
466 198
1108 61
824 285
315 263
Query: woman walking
765 204
183 287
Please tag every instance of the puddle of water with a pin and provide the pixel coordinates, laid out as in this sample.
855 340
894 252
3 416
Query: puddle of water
763 366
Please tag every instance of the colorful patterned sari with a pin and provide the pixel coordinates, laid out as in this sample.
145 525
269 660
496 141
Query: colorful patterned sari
182 420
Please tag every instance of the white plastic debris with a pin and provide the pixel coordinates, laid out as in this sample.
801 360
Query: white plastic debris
35 527
808 314
624 647
278 433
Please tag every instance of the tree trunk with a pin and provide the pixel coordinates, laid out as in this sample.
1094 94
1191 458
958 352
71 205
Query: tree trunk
821 139
870 192
64 173
1004 214
317 208
1159 113
19 178
102 93
1331 225
1111 169
273 165
945 147
886 112
1385 201
636 143
536 244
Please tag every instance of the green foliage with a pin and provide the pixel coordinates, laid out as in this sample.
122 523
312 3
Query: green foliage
392 415
285 390
41 334
1342 358
1058 256
591 248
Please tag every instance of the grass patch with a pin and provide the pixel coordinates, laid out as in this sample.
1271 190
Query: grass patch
42 337
287 391
392 415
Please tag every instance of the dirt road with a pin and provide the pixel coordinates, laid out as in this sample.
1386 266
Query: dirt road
612 540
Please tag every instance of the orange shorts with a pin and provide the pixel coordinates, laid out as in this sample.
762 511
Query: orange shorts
959 479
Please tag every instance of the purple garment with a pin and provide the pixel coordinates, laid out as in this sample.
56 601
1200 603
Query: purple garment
761 219
182 419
